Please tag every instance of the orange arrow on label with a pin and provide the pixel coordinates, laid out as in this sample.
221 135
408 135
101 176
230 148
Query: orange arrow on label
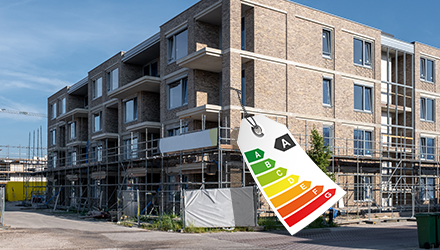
301 201
290 194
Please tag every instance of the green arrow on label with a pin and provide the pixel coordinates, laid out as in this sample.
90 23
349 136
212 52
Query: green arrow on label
272 176
254 155
263 166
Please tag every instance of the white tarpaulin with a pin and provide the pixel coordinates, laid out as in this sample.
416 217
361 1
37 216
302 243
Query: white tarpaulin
205 138
220 207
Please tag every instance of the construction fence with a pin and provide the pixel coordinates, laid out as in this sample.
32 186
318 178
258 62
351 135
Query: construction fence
2 206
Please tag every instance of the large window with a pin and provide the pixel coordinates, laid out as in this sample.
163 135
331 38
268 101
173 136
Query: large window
362 53
363 188
72 130
177 131
327 92
363 142
97 122
53 139
326 43
71 158
426 70
243 33
151 69
362 98
427 188
177 46
427 148
327 132
97 88
131 149
426 109
178 93
131 110
53 110
97 153
63 106
112 80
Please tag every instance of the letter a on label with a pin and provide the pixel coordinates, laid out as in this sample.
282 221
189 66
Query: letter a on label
284 143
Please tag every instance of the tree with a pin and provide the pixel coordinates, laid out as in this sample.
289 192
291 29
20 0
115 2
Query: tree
320 153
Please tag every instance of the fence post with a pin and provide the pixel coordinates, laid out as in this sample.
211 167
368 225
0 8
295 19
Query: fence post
137 212
2 200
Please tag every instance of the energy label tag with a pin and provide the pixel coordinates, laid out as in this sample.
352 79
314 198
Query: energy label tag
296 189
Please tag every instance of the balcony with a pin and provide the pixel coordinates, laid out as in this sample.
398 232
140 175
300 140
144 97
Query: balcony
75 113
207 59
209 110
145 83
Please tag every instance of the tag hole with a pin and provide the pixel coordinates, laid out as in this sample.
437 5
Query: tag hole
258 131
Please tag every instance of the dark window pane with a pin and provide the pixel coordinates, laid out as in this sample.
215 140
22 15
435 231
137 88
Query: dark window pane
358 100
368 99
367 54
422 108
243 87
182 44
154 71
243 33
326 92
430 71
429 110
357 51
422 68
326 134
368 142
185 91
326 44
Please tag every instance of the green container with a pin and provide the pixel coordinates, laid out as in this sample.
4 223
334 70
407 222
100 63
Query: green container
427 229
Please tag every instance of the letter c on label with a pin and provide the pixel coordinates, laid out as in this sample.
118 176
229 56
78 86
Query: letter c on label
279 173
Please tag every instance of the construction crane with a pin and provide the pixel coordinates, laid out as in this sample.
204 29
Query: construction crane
21 113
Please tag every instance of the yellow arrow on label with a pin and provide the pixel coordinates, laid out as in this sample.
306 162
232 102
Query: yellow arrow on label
282 185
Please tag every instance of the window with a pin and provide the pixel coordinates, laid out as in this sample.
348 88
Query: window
363 188
243 33
53 110
151 69
72 128
427 148
97 153
327 132
131 149
96 188
177 46
243 86
53 137
97 88
362 98
86 101
362 54
131 110
178 131
112 80
327 92
326 43
97 122
178 93
427 188
426 109
426 70
63 106
72 158
54 160
363 143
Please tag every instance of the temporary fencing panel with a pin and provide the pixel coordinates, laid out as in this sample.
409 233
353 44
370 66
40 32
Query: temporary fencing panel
226 207
2 205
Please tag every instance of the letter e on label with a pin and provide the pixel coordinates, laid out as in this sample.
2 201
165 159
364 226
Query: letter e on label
303 186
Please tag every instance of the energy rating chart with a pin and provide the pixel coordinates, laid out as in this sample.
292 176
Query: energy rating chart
295 188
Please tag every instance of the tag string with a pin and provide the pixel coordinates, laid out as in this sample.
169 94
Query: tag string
255 127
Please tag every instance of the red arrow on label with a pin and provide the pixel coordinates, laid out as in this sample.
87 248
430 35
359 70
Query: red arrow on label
305 211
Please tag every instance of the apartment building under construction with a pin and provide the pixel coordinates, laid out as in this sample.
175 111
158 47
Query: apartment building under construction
161 117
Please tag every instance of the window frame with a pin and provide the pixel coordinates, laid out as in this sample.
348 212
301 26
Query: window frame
243 33
62 105
424 154
330 92
110 80
183 82
365 188
427 190
330 136
72 125
149 67
364 87
135 109
131 149
176 131
53 110
96 88
100 121
424 68
53 135
362 151
363 53
424 109
243 85
326 54
172 46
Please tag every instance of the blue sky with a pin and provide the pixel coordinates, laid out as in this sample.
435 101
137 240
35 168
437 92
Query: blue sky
48 44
